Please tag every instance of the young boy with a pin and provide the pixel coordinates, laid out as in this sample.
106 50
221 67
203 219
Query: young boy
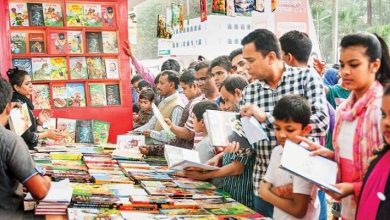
292 118
146 99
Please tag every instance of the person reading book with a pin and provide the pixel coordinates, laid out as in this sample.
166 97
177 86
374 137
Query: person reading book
292 118
220 69
237 167
21 84
146 98
17 166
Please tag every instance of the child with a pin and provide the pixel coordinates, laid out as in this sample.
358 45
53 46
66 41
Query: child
374 200
204 147
292 117
146 98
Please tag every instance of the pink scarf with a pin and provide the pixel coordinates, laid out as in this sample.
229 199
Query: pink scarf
367 136
376 183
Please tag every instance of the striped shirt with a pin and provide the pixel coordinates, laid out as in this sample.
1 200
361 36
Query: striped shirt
190 121
300 81
240 187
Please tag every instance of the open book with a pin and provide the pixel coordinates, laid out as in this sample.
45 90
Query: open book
226 127
19 119
180 159
297 160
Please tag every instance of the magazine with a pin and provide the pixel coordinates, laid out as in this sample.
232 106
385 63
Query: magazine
180 159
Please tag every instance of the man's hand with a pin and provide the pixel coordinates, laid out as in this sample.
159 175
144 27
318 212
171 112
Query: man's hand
346 189
319 66
146 133
44 116
144 150
264 190
284 191
253 110
127 49
194 174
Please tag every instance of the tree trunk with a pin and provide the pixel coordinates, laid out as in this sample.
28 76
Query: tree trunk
369 12
335 30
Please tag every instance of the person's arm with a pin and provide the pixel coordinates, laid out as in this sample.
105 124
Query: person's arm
233 169
38 186
316 97
296 206
148 126
186 132
164 136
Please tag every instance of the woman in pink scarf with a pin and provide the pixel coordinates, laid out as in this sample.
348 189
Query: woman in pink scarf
364 62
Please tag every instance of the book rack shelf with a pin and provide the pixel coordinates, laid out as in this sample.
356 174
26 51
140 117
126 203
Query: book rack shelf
72 50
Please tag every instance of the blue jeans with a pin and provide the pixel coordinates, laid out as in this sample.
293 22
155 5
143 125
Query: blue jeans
323 211
262 207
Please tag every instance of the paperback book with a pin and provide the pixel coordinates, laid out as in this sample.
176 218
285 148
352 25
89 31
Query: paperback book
41 96
35 14
41 68
59 95
19 119
128 141
113 94
75 42
18 42
92 15
23 64
37 42
100 131
67 127
84 131
75 94
94 42
74 14
59 69
112 68
108 16
52 14
97 92
18 14
78 68
110 42
58 43
96 68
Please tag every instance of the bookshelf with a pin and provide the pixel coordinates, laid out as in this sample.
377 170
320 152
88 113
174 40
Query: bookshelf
107 51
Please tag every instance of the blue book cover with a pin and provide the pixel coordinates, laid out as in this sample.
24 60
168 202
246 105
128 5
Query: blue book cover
23 64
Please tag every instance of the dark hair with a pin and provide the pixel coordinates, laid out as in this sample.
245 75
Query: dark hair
234 82
201 58
188 77
235 53
376 48
135 79
170 64
156 80
265 41
147 94
192 65
16 76
173 76
200 108
142 84
201 65
298 44
294 108
5 94
222 61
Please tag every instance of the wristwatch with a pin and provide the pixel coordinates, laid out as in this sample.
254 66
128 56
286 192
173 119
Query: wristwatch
40 171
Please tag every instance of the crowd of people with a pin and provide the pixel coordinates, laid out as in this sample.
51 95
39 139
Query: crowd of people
340 112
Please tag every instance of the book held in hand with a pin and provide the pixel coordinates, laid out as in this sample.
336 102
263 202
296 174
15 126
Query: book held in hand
180 159
19 119
297 160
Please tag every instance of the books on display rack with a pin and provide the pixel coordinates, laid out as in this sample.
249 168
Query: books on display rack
59 69
18 14
37 42
93 15
18 42
41 96
59 95
110 42
78 68
127 141
23 64
67 127
100 131
75 42
180 159
94 42
41 68
112 68
52 14
19 119
74 14
108 16
58 43
75 95
113 94
97 91
84 131
35 14
96 68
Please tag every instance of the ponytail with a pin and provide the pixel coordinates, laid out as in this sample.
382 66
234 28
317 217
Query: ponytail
383 74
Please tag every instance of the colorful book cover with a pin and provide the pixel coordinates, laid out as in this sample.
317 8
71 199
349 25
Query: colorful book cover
243 7
84 131
175 14
93 15
110 42
108 16
18 14
41 68
181 17
181 204
18 42
203 10
128 141
67 127
193 184
113 95
74 14
23 64
41 96
219 6
78 68
151 199
112 68
158 184
93 213
37 42
97 92
19 119
59 70
59 95
75 42
50 124
96 68
184 212
230 209
230 11
94 42
58 43
100 131
53 16
75 95
35 14
161 27
259 5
